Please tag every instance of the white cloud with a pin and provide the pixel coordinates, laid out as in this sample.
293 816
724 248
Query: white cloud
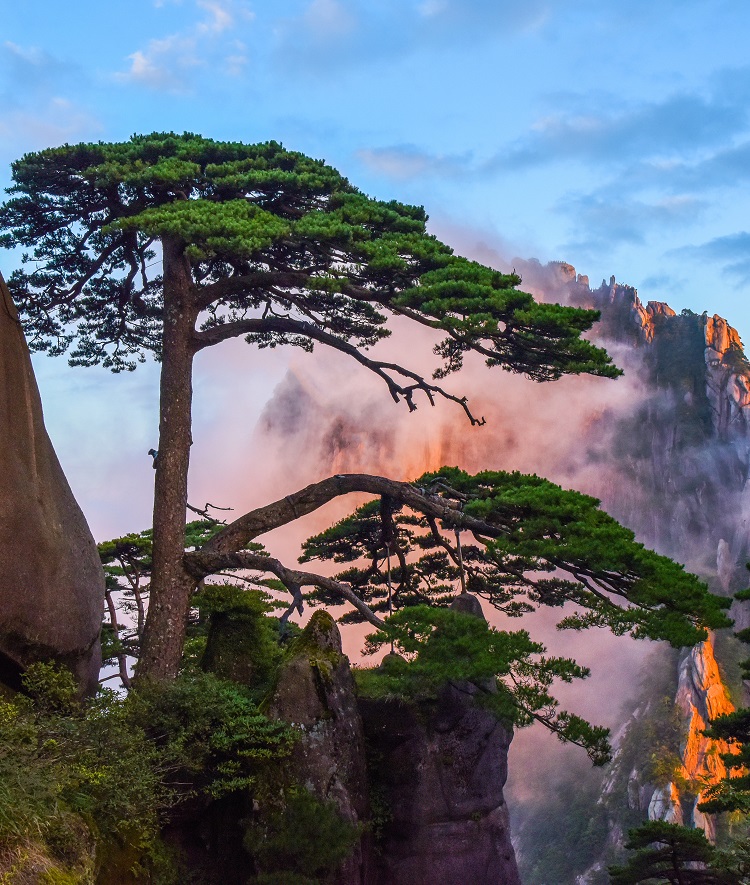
329 18
31 55
219 18
166 64
163 64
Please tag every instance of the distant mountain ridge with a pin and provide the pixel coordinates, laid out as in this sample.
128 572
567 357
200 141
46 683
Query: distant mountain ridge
679 478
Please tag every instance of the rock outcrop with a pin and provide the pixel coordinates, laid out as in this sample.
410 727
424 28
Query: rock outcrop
51 579
437 770
701 696
315 692
441 770
677 474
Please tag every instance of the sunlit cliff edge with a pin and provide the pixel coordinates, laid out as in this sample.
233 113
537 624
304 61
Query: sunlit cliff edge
682 460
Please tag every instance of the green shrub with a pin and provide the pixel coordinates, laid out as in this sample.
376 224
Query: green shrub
299 840
73 777
240 641
209 735
98 779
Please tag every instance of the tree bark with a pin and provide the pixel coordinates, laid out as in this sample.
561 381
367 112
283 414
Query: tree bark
122 658
171 584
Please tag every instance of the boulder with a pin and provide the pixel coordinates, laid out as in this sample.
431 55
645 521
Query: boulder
51 579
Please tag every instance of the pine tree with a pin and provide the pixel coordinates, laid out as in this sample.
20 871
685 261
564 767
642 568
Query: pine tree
670 853
169 244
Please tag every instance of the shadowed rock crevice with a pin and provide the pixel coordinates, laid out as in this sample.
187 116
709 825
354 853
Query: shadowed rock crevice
11 673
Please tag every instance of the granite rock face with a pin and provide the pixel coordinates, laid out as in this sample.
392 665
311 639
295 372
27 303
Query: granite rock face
437 771
51 579
675 468
315 692
700 697
442 770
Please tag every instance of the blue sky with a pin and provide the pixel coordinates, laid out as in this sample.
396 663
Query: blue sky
612 135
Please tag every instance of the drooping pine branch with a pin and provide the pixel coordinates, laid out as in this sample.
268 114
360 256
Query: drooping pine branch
404 389
267 232
533 544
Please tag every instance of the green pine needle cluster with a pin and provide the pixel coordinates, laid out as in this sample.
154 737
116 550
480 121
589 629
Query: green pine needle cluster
543 546
443 646
267 232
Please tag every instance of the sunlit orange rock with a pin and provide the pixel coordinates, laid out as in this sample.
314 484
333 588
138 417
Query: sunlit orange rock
701 697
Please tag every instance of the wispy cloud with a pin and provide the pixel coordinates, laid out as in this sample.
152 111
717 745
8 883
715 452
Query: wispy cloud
364 33
168 63
330 34
34 108
54 121
473 17
681 124
663 281
218 20
679 144
732 251
607 221
29 69
409 161
725 166
164 64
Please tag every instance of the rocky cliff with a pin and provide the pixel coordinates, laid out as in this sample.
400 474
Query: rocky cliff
415 787
701 696
442 771
436 770
675 459
440 767
676 472
51 579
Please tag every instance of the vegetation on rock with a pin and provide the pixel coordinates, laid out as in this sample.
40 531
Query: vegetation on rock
669 853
